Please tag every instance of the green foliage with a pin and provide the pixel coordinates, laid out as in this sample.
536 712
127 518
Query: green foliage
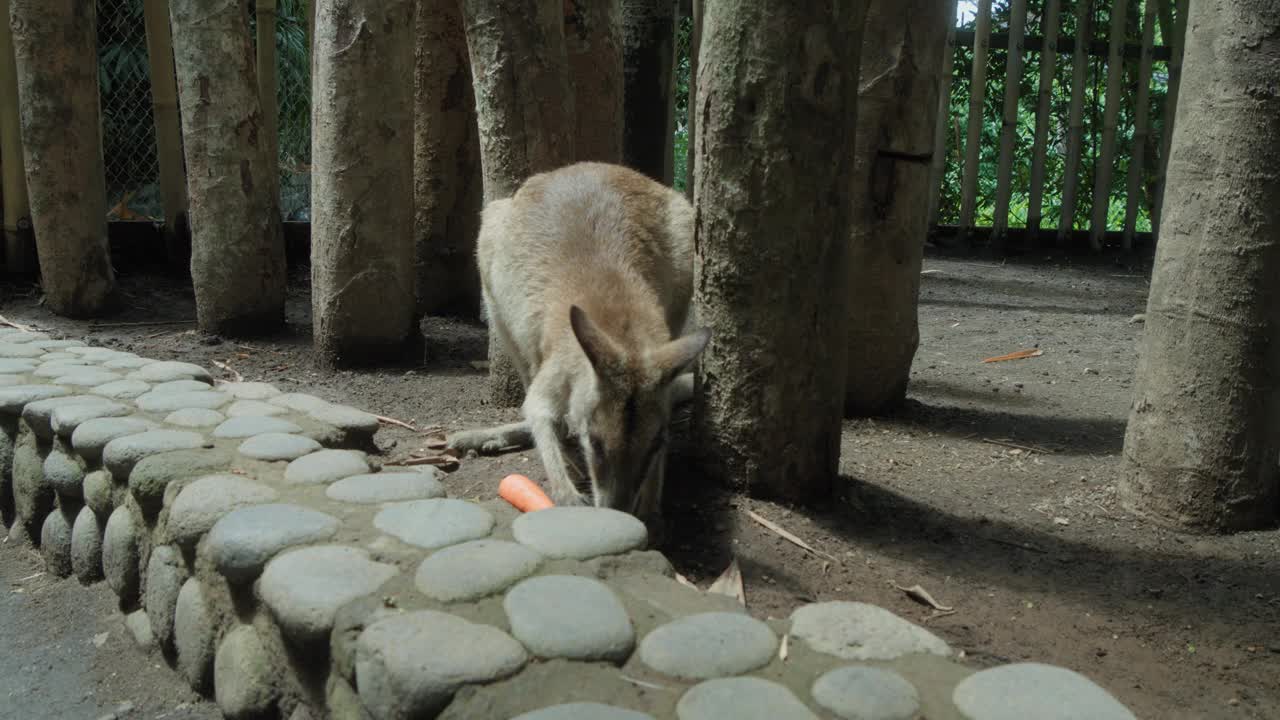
684 36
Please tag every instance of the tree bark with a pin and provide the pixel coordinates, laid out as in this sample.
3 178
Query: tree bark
593 43
1201 449
524 108
778 97
237 246
56 58
902 59
649 28
362 259
447 184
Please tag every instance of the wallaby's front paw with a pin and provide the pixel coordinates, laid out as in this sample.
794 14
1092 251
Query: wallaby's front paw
478 441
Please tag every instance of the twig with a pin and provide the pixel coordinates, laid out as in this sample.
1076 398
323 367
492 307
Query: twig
17 326
1011 543
642 683
234 373
787 535
142 324
393 421
155 335
1016 446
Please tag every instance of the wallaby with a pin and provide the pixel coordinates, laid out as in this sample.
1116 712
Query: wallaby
587 279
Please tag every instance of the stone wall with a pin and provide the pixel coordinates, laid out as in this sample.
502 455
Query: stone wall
253 538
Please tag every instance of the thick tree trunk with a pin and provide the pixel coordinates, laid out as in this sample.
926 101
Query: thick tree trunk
902 50
593 44
237 247
362 259
524 107
447 184
775 159
1202 448
649 28
56 58
17 240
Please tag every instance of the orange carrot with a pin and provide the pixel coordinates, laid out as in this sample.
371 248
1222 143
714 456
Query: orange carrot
523 493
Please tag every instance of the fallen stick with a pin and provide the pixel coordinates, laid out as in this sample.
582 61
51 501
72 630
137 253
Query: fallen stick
17 326
1019 355
142 324
234 373
1016 446
393 421
787 535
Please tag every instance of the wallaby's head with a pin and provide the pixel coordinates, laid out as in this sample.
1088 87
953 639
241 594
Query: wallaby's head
619 416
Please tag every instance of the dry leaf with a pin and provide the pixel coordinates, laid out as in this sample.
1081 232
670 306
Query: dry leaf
1019 355
730 583
685 581
786 534
922 596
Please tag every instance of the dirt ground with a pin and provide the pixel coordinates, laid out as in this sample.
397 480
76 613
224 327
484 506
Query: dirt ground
993 489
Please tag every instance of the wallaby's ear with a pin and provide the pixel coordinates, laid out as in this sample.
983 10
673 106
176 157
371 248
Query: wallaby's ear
599 348
674 357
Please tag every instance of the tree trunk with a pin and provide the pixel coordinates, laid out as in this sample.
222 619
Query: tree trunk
18 243
695 41
237 247
164 113
649 27
446 172
902 59
362 259
1201 449
775 160
593 43
524 108
56 58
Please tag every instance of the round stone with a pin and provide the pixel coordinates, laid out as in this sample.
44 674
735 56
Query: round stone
165 575
194 417
123 389
249 390
709 645
64 473
866 693
193 634
120 555
15 397
567 616
166 402
244 676
326 466
46 344
858 631
410 665
9 350
580 533
51 356
250 425
248 408
346 418
92 436
16 366
386 487
583 711
87 377
86 546
299 401
55 543
207 499
127 362
120 455
153 474
165 371
180 386
278 446
245 539
1035 690
97 492
434 523
741 698
32 494
65 420
305 587
39 414
475 569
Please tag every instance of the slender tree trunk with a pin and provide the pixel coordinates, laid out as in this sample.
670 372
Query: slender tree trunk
18 242
593 43
447 184
56 57
1201 450
362 259
164 112
265 11
649 27
775 154
237 247
902 59
524 108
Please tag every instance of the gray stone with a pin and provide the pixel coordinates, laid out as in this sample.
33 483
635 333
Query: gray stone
250 425
58 368
250 390
867 693
305 587
97 493
248 408
583 711
129 362
709 645
346 418
32 494
1035 690
16 397
92 436
51 356
11 380
580 533
245 539
409 666
16 366
10 350
207 499
165 576
858 631
194 417
121 454
65 420
153 474
120 555
169 370
567 616
86 546
278 446
64 473
326 466
245 681
193 635
386 487
741 698
434 523
166 402
180 386
58 344
139 626
299 401
87 377
123 389
55 543
475 569
39 414
24 336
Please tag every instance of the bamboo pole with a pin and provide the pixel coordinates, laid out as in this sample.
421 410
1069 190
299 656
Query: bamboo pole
1075 118
1176 43
977 91
266 14
1048 60
164 111
1105 168
938 163
1140 126
18 243
1009 126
